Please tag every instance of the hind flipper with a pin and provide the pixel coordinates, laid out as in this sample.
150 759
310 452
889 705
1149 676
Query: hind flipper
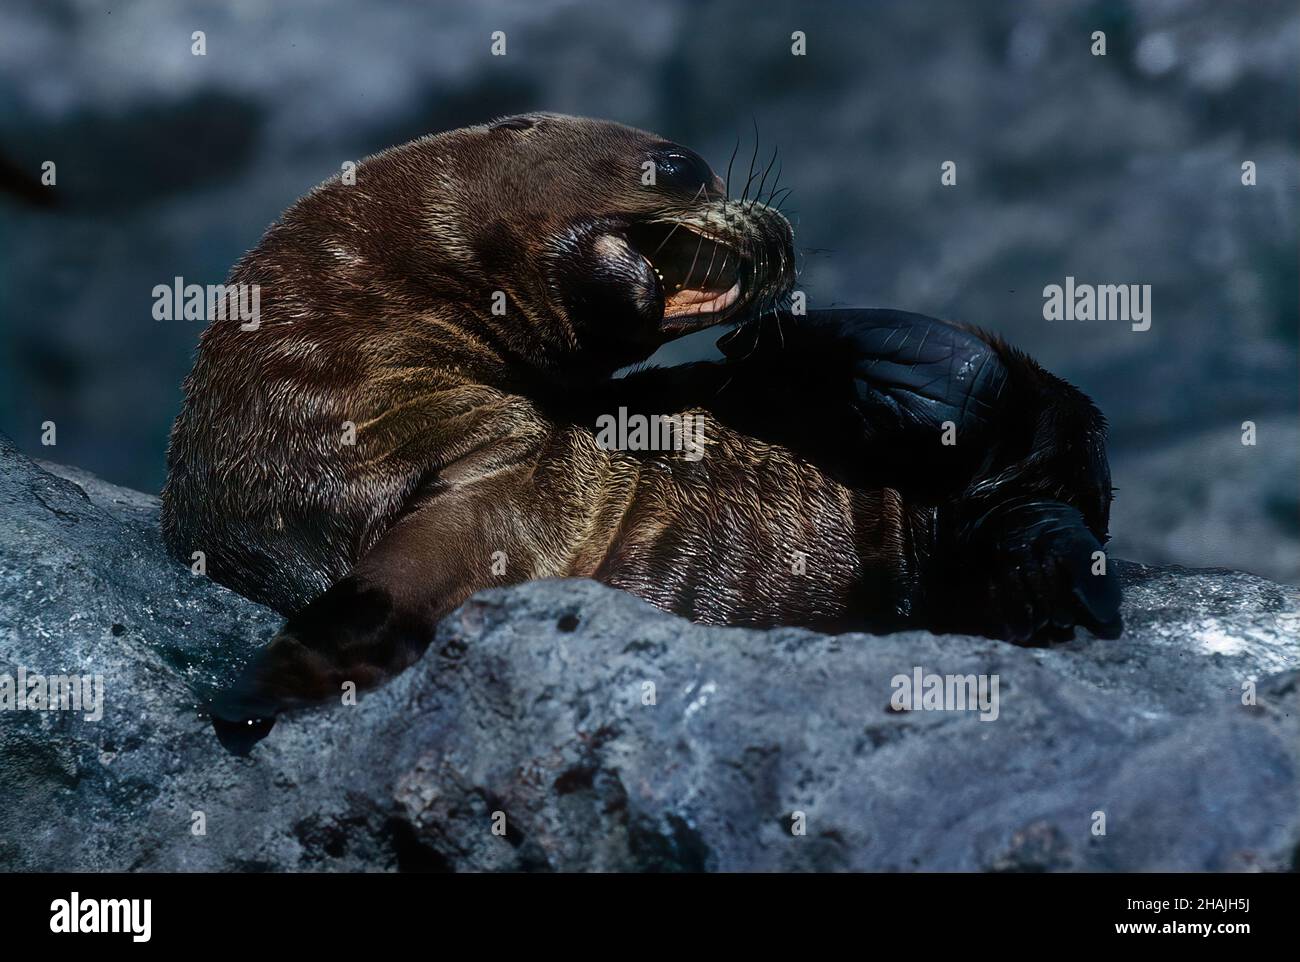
1028 572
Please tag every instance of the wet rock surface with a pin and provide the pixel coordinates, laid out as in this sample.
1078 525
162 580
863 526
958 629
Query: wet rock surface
596 733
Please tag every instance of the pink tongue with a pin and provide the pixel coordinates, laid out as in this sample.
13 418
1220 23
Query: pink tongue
691 301
691 296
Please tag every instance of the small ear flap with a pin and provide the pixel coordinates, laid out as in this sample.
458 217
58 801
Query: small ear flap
610 292
512 123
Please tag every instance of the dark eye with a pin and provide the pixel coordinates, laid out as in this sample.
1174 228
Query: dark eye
683 170
513 123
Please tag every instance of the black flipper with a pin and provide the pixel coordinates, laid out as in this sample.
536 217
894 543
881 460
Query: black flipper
864 394
1021 500
1027 571
352 633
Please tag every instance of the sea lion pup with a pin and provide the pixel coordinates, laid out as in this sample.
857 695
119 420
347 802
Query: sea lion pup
413 418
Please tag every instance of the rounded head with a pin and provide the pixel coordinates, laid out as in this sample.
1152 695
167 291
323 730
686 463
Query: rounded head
606 241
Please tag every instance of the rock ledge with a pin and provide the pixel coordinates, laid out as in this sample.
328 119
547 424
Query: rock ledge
532 703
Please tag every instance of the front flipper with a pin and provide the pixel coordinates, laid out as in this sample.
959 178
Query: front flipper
910 371
929 389
880 398
377 621
1028 572
354 632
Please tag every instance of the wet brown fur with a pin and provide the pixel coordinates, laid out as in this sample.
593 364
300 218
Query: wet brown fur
376 311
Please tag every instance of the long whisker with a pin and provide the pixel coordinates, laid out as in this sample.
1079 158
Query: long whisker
691 273
734 150
753 158
776 182
759 193
678 224
760 271
708 273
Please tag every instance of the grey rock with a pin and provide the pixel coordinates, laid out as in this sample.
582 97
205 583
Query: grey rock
532 703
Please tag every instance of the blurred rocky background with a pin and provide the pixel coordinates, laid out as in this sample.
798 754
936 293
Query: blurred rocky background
1117 169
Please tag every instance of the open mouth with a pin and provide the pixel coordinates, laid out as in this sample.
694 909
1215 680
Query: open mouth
700 276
